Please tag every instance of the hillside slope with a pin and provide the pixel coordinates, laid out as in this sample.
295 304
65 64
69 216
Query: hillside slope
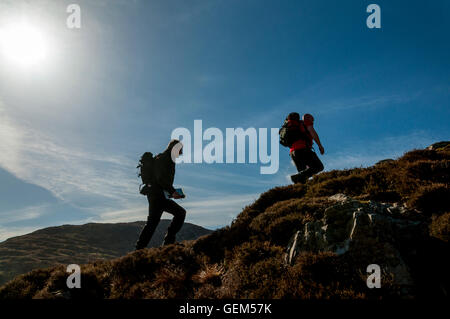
79 244
311 241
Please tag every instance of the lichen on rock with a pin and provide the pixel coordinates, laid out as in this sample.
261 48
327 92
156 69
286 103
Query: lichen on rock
350 225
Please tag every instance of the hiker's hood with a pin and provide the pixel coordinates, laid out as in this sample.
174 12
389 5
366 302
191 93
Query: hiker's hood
293 122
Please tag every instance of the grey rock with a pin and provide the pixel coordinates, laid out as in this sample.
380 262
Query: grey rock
349 224
439 145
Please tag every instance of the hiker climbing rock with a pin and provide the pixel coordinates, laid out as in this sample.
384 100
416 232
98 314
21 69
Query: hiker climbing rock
298 135
157 175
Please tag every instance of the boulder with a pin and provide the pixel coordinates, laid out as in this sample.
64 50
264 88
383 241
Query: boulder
350 225
439 145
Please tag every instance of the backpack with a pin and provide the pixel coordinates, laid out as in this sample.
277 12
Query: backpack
289 136
285 137
146 166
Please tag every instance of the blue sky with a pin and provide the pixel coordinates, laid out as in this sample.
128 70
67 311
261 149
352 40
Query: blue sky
73 127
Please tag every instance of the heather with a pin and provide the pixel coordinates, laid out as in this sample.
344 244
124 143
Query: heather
247 259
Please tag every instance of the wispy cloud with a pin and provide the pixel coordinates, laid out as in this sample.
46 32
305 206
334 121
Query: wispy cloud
330 95
368 153
366 102
129 214
23 214
10 137
71 174
215 211
9 232
208 212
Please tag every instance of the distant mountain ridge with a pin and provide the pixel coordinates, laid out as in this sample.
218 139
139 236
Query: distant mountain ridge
78 244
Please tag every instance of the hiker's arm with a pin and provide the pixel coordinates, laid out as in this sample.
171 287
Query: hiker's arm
163 180
166 185
315 136
169 188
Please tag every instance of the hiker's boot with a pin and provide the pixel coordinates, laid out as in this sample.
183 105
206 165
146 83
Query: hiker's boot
302 179
299 178
139 247
169 239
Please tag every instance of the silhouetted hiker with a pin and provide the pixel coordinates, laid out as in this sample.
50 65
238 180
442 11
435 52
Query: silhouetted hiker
298 135
158 180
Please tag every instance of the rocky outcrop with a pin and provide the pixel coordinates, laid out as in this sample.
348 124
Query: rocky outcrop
352 225
439 145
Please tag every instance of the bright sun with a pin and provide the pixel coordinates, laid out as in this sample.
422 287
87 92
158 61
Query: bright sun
23 44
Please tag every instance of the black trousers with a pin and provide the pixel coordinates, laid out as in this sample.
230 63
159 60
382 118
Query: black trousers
307 163
157 204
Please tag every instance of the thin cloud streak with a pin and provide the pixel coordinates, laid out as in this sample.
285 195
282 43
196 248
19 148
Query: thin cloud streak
217 210
6 233
32 212
368 153
68 173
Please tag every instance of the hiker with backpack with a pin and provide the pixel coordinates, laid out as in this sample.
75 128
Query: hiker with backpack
157 175
298 135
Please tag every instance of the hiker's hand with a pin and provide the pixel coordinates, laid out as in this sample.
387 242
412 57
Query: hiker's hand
321 149
176 195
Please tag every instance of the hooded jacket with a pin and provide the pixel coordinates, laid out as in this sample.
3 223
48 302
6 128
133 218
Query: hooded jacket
164 168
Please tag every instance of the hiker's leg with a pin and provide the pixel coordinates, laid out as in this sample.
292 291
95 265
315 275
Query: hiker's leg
155 210
314 164
179 214
299 160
